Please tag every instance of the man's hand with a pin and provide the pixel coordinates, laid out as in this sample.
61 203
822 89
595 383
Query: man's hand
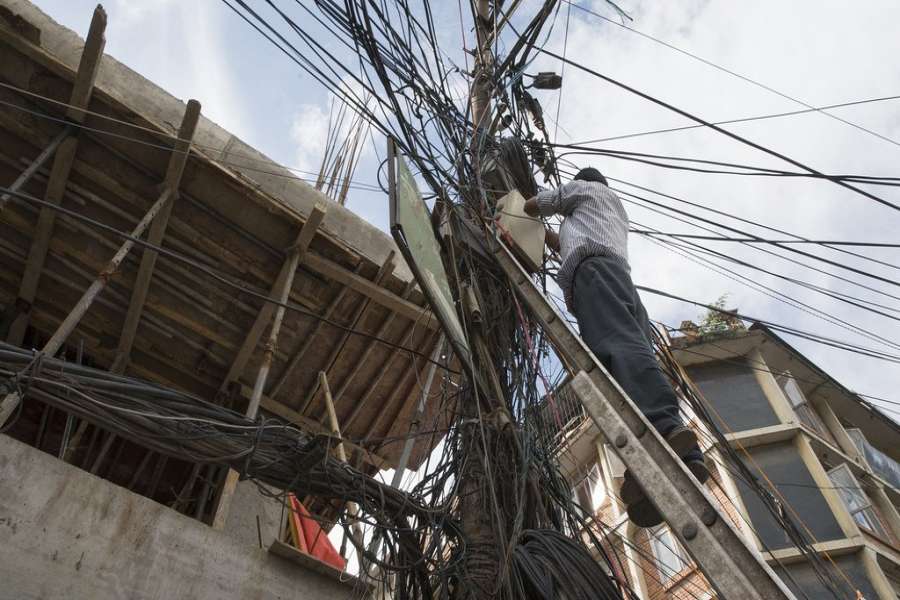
552 240
531 207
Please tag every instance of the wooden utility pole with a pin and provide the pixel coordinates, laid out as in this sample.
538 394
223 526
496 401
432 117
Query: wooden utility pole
480 99
482 519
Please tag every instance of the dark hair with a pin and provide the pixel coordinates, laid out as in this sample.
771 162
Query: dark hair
591 174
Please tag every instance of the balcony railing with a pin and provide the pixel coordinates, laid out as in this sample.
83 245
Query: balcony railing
556 416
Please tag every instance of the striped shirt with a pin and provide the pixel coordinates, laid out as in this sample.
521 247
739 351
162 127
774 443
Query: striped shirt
594 224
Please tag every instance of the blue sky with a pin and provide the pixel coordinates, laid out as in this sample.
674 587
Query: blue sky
822 52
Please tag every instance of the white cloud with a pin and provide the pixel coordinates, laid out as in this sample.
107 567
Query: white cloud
309 130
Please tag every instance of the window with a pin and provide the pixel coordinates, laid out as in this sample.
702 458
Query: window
590 491
856 500
806 413
883 465
616 466
670 558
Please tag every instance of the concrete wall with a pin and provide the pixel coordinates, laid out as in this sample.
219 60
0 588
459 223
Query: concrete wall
67 534
248 504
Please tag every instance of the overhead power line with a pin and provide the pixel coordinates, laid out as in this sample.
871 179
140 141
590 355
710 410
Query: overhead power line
755 224
753 240
724 132
813 337
740 120
821 110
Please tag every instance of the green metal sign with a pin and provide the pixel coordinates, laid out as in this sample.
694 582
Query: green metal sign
411 229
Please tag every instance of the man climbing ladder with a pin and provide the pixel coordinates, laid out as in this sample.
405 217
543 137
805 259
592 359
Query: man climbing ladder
595 279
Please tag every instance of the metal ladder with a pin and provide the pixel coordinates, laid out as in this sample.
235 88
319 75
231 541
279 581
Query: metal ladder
734 570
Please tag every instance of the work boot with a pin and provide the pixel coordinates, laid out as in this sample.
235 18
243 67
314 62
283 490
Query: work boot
642 513
682 440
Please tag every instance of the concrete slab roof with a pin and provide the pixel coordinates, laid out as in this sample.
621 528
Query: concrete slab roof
363 320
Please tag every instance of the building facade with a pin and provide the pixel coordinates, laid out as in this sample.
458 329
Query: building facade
829 459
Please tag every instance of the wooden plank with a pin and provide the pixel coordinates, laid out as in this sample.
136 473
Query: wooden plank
382 296
62 164
400 388
385 369
172 180
263 317
386 268
310 339
363 359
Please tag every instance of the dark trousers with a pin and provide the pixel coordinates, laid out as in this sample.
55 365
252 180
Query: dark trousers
615 327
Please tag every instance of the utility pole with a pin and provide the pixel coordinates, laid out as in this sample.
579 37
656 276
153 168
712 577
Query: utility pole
483 412
481 81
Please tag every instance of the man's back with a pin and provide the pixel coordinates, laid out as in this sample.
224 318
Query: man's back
594 224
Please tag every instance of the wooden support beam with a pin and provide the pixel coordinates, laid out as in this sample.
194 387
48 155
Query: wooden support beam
352 508
310 339
104 450
293 261
161 463
35 166
62 164
385 369
171 182
386 268
361 361
381 295
136 475
263 317
295 254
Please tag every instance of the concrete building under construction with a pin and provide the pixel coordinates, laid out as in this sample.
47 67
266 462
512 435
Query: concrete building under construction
91 149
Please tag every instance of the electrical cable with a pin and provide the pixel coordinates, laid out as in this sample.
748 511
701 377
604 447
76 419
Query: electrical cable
734 74
718 129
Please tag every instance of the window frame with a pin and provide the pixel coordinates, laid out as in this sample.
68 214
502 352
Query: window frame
590 487
867 508
804 410
673 549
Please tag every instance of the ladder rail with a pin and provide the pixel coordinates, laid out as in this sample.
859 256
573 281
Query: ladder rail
733 569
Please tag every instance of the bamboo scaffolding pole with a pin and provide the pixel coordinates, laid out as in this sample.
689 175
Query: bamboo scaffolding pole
65 329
